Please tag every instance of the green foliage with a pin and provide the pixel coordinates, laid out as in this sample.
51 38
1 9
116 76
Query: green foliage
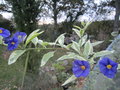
24 19
46 57
15 55
71 55
118 66
81 49
35 41
75 46
103 53
32 36
59 66
88 49
96 43
1 39
71 79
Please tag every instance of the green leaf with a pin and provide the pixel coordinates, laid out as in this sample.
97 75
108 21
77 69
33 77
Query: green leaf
33 35
69 80
91 61
83 23
44 44
15 55
69 45
118 67
103 53
86 26
82 31
77 32
46 57
75 46
35 41
60 39
115 33
40 42
1 39
76 27
83 40
97 43
70 56
88 48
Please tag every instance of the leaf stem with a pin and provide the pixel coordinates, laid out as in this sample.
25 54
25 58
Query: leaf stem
45 49
25 69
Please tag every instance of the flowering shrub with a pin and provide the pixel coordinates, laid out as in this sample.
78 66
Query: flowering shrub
81 51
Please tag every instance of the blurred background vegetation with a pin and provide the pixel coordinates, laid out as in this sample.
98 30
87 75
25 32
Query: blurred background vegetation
54 17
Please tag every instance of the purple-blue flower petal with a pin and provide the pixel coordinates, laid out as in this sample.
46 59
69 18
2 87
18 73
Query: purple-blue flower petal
20 36
109 72
78 71
5 32
85 73
77 62
13 46
86 63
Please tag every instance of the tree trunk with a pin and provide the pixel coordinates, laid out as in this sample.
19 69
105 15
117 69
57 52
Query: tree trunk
55 19
116 22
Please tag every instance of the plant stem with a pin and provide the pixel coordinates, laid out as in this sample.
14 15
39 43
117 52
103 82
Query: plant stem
25 69
45 49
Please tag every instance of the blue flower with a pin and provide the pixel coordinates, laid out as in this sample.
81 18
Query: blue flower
12 43
20 35
81 68
108 67
6 40
4 32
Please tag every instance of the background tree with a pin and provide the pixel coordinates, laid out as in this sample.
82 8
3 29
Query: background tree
25 14
117 16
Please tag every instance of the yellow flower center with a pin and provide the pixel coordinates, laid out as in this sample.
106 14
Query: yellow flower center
109 66
82 67
12 43
19 36
1 31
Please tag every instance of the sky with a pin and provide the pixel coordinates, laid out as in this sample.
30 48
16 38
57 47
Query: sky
49 20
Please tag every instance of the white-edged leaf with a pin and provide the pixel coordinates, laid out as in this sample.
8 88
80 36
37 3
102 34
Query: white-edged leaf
115 33
15 55
76 27
83 40
40 42
103 53
97 43
86 26
60 39
70 56
83 23
46 57
69 80
75 46
35 41
1 39
82 31
118 67
32 36
44 44
88 48
77 32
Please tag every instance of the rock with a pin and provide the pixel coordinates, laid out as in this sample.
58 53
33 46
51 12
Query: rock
99 81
